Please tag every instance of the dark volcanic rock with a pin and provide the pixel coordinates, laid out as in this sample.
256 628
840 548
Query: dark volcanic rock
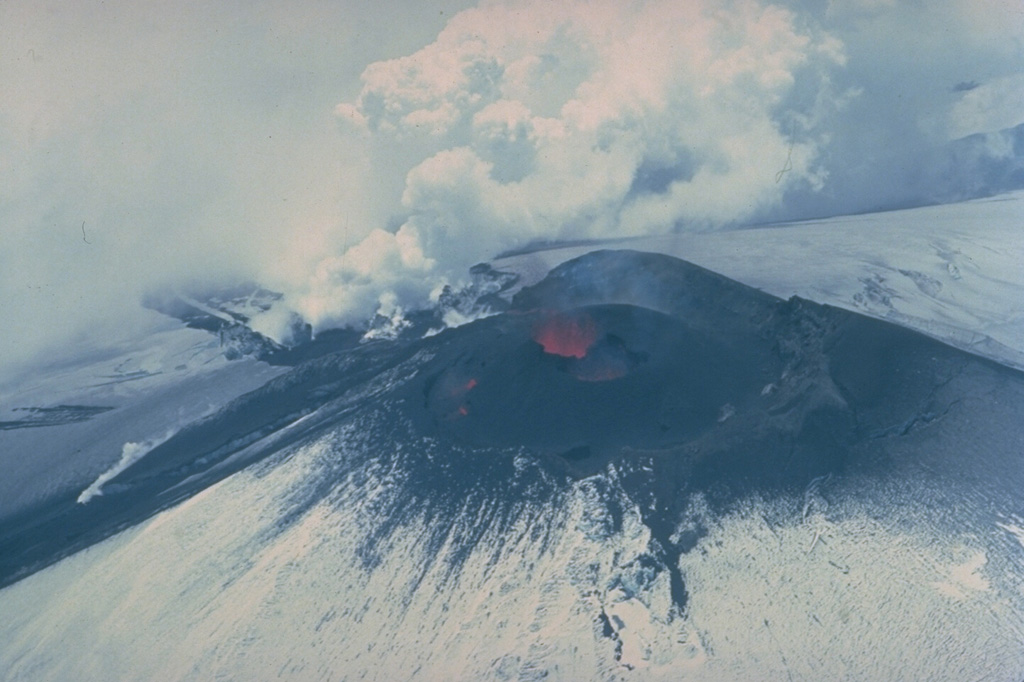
677 379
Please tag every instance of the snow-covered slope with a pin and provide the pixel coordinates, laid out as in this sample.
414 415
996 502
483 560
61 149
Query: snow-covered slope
817 495
870 584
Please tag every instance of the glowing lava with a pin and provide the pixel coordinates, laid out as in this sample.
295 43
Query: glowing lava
569 336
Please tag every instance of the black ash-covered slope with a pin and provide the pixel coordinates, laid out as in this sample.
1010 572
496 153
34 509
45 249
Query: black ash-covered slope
679 379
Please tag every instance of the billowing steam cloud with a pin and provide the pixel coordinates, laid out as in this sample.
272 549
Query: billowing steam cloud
546 121
210 145
528 121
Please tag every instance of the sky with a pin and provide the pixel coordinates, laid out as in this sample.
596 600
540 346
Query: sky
357 156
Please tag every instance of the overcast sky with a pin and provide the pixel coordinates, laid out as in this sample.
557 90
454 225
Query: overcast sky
357 156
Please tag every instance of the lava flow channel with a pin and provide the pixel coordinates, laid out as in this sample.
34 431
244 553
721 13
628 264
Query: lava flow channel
569 336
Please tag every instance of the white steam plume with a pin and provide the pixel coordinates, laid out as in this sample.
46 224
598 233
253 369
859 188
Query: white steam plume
130 454
541 120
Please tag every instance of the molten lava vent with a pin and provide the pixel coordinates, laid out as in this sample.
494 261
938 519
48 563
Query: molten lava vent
591 353
569 335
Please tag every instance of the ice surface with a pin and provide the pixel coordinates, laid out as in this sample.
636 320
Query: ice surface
156 378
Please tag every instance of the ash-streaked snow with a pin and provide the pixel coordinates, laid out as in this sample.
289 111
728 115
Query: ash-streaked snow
867 585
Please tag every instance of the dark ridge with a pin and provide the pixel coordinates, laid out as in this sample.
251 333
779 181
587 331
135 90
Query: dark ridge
606 625
324 343
58 415
699 298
